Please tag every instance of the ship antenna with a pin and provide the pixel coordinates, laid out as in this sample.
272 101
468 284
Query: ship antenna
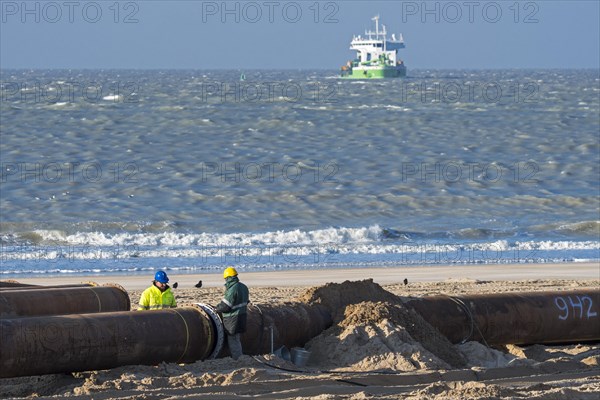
376 19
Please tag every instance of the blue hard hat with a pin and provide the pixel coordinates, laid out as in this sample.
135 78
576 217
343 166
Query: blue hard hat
161 276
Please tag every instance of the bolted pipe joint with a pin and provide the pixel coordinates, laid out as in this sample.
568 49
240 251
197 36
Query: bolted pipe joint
218 330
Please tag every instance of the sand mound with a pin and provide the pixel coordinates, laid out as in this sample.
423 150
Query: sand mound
336 296
373 330
382 336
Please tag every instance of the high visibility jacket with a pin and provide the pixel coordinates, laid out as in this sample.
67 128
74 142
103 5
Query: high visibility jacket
234 305
153 299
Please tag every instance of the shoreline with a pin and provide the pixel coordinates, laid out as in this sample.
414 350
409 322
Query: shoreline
381 275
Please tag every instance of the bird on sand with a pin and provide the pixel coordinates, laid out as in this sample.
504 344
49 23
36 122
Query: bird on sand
198 285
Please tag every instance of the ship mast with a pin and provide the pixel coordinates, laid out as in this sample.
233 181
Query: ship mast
377 33
376 19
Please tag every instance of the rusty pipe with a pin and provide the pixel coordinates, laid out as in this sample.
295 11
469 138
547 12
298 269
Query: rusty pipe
514 318
73 300
80 342
68 343
25 287
291 325
12 284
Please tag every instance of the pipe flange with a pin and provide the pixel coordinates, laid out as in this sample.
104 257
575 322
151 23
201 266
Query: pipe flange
218 324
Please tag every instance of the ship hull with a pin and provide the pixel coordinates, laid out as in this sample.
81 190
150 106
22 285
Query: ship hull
374 73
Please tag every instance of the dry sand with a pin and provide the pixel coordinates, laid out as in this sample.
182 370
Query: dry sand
373 350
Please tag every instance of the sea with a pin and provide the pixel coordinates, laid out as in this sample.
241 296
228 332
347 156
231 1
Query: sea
125 172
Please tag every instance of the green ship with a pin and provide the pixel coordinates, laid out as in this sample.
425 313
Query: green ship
376 56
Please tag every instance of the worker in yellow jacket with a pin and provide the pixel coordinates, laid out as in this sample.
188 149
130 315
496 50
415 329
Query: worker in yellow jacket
159 295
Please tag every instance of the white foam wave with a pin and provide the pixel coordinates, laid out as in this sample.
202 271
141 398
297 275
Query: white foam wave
270 248
295 237
368 239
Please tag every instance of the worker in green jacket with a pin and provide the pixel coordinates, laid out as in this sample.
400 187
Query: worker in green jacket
233 308
159 295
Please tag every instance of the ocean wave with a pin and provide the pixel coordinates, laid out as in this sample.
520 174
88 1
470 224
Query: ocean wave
55 252
155 235
99 238
270 262
585 227
256 252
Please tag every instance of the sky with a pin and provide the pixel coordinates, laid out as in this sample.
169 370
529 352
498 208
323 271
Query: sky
273 34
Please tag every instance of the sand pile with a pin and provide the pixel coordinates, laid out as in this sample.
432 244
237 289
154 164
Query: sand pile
337 296
374 331
382 336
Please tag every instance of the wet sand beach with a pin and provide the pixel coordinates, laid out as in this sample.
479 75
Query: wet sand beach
383 276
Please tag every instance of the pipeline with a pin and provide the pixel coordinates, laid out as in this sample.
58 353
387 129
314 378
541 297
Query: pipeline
11 284
39 301
24 287
292 325
514 318
79 342
69 343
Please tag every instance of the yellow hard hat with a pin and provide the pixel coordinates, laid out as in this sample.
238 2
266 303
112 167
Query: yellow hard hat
229 271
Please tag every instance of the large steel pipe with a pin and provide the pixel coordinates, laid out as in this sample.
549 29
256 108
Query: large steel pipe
26 287
514 318
287 325
11 284
72 300
68 343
